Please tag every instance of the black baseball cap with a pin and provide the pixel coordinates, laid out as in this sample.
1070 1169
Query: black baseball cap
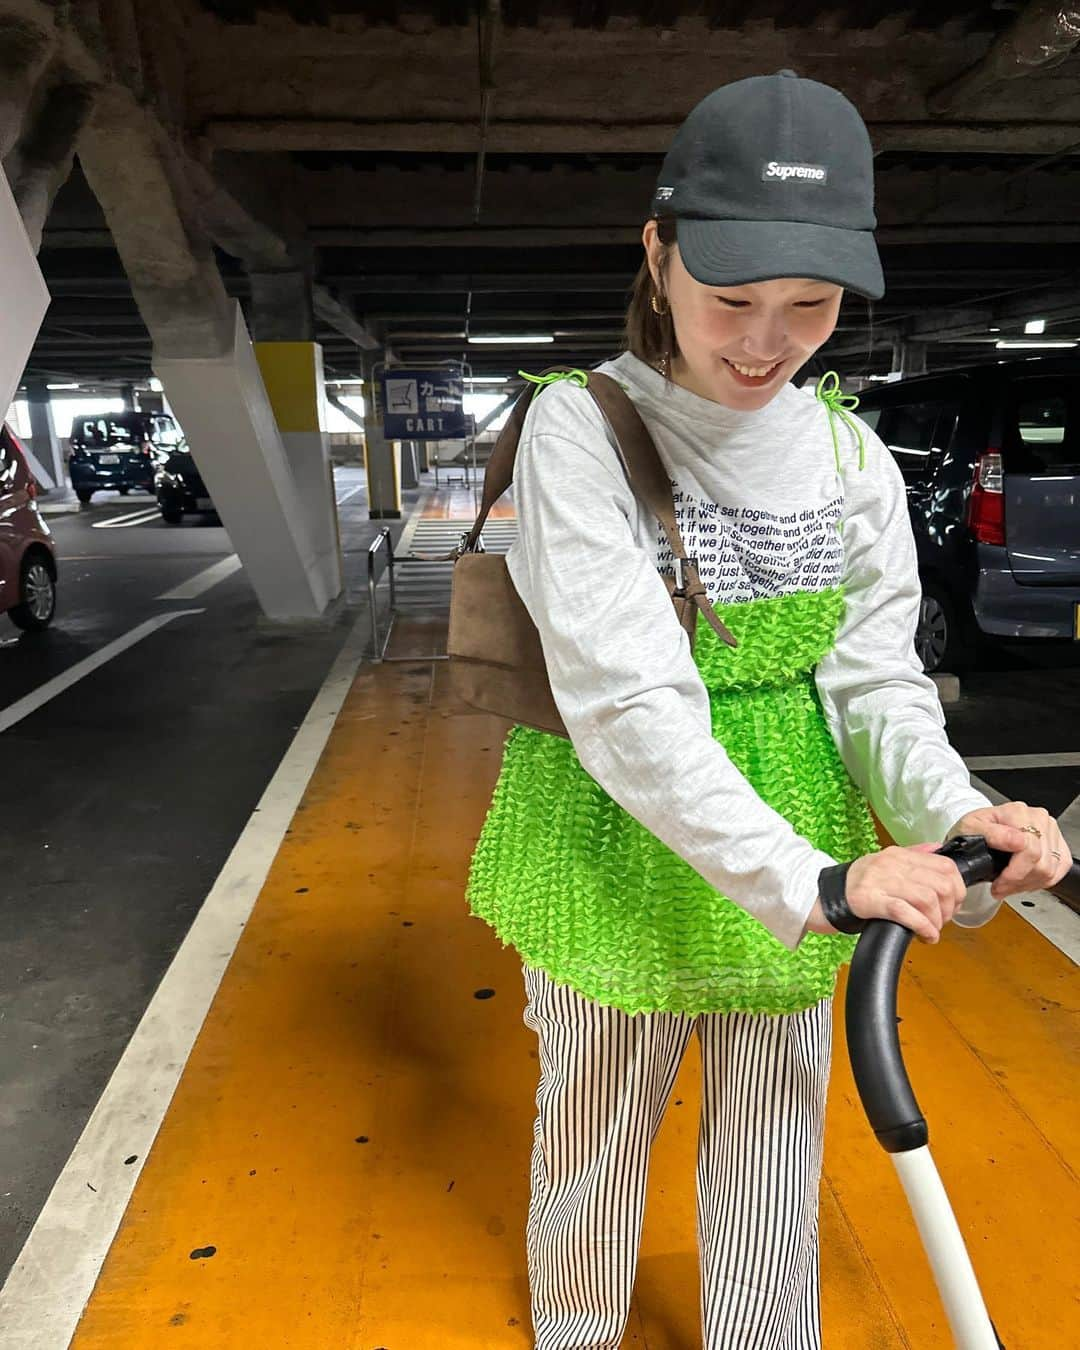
773 176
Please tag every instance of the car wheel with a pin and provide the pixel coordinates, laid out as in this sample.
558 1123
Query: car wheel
943 642
83 495
123 491
37 590
171 515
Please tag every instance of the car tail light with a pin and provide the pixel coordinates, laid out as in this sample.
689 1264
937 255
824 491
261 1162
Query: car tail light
986 505
32 488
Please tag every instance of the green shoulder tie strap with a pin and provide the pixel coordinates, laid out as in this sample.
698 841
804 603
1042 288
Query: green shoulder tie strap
578 377
828 392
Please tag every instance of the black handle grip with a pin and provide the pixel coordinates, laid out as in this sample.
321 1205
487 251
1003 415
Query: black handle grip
870 1009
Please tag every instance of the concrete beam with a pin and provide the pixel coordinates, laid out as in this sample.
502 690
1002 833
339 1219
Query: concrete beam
131 167
28 41
281 307
40 163
1042 34
338 315
983 137
345 410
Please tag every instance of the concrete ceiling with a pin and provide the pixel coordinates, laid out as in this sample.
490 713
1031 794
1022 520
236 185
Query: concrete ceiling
446 168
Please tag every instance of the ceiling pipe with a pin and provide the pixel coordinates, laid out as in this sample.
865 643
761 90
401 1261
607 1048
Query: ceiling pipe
1043 34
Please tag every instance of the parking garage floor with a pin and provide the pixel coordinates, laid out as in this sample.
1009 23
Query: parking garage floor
317 1089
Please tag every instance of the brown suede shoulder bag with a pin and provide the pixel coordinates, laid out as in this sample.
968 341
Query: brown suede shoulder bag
496 658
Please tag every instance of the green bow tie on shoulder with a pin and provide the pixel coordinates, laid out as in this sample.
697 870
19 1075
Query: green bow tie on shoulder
578 377
828 392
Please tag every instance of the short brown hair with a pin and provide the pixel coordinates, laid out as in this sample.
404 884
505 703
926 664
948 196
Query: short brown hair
651 336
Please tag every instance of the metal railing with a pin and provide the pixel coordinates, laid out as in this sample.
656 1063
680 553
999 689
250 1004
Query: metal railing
380 559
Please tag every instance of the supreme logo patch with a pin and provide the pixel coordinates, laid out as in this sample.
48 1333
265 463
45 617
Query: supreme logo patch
774 172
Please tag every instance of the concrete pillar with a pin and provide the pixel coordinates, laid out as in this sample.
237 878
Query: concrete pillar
281 307
222 405
410 466
381 457
127 393
293 375
44 442
25 296
913 358
204 356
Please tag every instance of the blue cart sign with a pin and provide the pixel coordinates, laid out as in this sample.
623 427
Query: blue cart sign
422 405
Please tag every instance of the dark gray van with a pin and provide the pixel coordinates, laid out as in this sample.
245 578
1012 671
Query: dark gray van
991 458
119 451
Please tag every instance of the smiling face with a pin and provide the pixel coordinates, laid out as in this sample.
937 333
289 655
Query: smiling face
739 345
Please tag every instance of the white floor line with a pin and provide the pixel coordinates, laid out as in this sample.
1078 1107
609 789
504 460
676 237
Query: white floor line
23 707
1054 920
142 517
352 493
405 542
202 581
1054 760
47 1290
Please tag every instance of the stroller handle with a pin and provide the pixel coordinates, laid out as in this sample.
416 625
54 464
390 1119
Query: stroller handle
870 1009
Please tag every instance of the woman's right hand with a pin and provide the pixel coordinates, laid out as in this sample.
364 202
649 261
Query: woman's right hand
909 885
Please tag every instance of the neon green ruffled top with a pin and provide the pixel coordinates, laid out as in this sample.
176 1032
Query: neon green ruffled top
588 895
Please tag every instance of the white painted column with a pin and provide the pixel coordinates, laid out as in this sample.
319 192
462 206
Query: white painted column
26 297
223 407
292 373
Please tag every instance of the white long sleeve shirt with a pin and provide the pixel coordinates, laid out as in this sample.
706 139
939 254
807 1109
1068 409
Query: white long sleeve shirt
760 502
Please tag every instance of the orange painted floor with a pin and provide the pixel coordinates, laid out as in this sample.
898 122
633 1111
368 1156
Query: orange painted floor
352 1132
459 503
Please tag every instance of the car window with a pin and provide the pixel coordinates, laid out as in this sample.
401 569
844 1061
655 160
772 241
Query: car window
917 434
871 416
166 432
123 433
1039 432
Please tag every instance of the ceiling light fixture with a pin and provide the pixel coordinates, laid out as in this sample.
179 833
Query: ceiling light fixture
512 340
1001 345
1035 326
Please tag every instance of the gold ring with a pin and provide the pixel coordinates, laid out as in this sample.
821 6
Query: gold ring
1031 829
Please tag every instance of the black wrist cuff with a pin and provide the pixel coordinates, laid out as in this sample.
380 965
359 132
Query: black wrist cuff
832 887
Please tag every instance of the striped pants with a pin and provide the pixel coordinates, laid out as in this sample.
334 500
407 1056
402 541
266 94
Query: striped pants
605 1079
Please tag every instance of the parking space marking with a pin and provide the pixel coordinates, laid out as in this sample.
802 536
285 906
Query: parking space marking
141 517
202 581
1053 919
1050 760
23 707
54 1275
352 493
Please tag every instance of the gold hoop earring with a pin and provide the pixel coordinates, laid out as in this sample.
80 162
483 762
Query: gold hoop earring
656 307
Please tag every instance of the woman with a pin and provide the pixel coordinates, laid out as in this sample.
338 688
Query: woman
673 867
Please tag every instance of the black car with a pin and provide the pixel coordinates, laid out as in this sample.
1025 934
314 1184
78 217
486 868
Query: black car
180 488
119 451
991 458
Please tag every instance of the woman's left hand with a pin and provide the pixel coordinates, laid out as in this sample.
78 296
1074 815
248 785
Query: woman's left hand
1030 834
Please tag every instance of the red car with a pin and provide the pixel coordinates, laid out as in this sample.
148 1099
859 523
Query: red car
27 555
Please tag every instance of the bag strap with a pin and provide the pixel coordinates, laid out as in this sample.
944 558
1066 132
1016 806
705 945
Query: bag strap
641 463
